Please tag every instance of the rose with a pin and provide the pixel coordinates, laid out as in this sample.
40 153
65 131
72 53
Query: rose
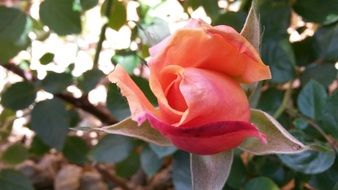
195 75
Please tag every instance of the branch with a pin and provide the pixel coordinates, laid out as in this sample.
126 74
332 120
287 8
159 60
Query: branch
101 112
113 178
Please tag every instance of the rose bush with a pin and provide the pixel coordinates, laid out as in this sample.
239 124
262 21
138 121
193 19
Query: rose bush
196 74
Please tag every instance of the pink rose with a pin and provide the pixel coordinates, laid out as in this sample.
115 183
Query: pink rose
195 74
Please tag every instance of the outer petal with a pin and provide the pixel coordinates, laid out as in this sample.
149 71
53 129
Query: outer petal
255 68
218 48
138 103
207 139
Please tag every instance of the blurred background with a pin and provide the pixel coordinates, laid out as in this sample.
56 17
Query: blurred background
54 58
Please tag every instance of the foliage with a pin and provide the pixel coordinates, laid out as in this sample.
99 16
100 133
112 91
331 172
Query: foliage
299 41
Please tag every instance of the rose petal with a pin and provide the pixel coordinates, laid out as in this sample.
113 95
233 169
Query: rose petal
138 103
207 139
211 96
255 68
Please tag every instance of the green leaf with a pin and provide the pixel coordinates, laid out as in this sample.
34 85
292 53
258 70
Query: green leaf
305 51
274 17
278 139
56 82
129 128
234 19
88 4
38 147
251 28
7 118
150 162
211 171
47 58
18 96
261 183
118 14
60 17
309 162
129 166
278 54
328 118
116 103
128 60
323 73
112 149
153 32
11 179
237 173
75 150
181 171
14 29
50 121
90 79
317 11
15 154
161 151
325 180
143 84
270 100
327 42
311 99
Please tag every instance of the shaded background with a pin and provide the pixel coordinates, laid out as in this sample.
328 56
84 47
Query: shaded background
54 58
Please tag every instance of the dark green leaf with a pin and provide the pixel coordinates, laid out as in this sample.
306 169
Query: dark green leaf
47 58
317 10
261 183
118 14
60 16
56 82
271 12
279 56
76 150
112 149
325 180
327 42
90 79
129 166
311 99
50 121
309 162
162 151
88 4
143 84
210 171
15 154
14 180
305 51
18 96
329 119
150 162
270 100
38 147
14 29
181 171
234 19
323 73
116 103
237 174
